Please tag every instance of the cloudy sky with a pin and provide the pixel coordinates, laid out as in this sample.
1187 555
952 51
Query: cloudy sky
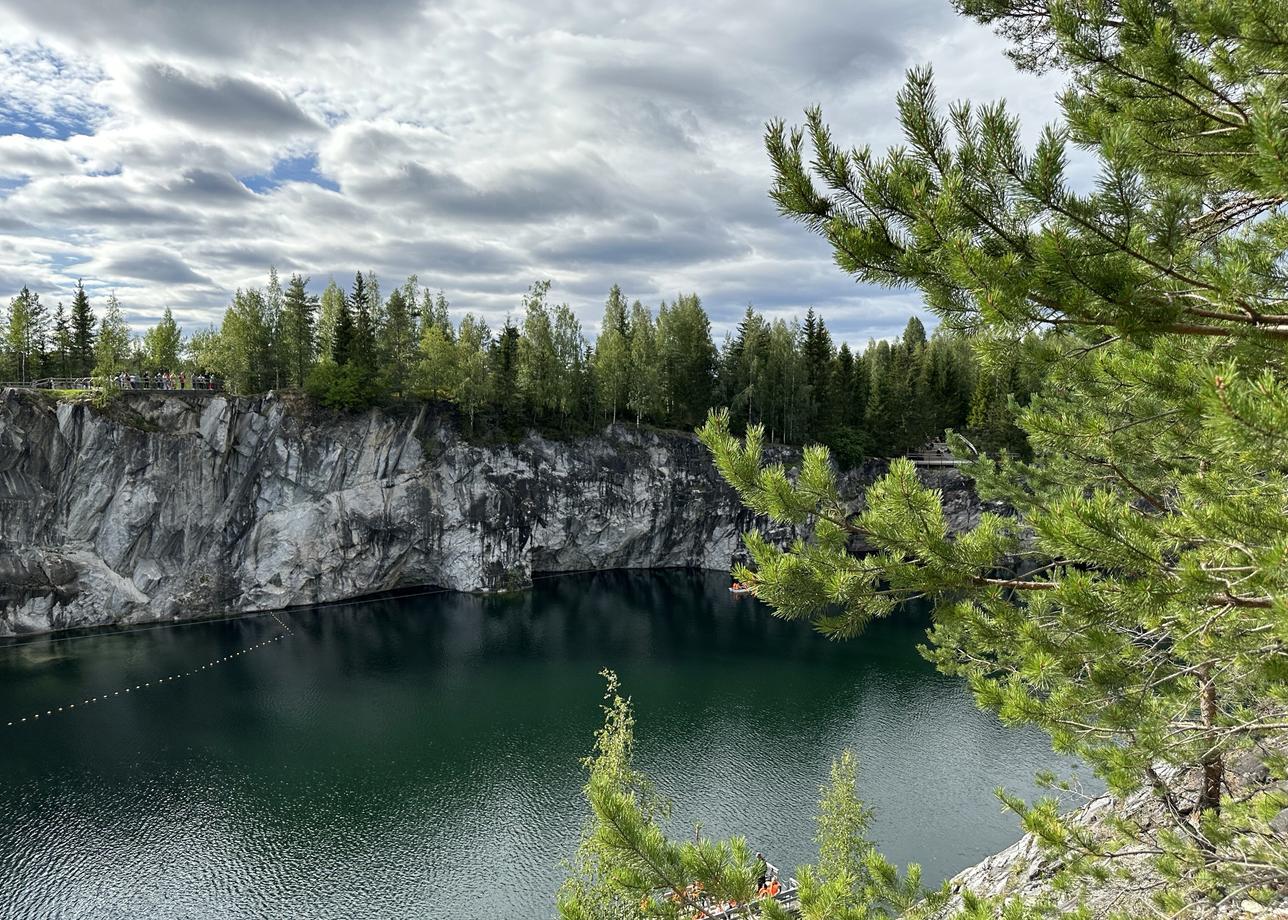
173 150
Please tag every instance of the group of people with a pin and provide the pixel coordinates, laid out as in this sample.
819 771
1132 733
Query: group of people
767 886
166 380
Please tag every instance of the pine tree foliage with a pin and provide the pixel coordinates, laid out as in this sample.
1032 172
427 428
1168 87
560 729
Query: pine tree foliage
60 357
1136 605
299 333
82 323
628 868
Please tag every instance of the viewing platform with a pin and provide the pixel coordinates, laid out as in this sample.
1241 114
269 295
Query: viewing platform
135 386
934 454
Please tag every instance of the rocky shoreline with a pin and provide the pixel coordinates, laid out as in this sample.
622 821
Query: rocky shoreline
165 507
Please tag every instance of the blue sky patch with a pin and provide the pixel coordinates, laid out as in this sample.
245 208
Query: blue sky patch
30 124
290 169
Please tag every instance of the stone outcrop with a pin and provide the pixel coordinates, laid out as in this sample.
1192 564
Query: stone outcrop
1027 872
172 506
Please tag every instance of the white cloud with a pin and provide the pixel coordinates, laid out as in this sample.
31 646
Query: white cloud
173 151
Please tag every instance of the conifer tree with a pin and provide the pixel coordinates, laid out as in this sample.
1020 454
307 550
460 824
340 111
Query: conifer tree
440 314
362 346
627 868
63 343
82 323
342 333
397 341
504 361
1144 624
817 346
570 355
298 339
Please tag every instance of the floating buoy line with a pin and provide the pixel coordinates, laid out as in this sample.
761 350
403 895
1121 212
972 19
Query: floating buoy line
286 633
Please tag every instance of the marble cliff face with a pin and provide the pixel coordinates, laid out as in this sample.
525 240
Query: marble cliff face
173 506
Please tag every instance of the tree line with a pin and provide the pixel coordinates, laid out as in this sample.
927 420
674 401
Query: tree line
355 348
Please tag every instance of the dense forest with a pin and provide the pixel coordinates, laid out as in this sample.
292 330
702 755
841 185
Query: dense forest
356 348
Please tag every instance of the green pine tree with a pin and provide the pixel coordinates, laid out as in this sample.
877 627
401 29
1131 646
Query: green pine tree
82 322
63 344
1137 609
298 338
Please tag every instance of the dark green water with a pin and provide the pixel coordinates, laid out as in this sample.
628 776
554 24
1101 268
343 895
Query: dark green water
419 757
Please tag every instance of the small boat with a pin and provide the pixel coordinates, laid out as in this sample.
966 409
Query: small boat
739 588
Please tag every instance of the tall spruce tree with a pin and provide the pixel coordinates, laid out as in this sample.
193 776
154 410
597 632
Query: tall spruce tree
63 345
82 322
362 346
504 361
298 339
817 346
396 340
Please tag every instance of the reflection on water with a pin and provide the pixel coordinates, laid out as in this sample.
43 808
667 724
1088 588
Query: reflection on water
419 757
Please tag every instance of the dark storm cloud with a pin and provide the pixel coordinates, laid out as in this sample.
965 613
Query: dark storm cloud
221 103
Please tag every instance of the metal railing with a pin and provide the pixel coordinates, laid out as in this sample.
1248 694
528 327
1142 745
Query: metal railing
120 382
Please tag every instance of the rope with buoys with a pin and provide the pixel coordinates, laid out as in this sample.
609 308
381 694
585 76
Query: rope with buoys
286 633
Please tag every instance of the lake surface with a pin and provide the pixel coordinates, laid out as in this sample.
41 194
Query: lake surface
420 757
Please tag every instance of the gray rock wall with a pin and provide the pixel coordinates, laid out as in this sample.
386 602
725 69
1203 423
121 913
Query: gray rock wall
175 506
